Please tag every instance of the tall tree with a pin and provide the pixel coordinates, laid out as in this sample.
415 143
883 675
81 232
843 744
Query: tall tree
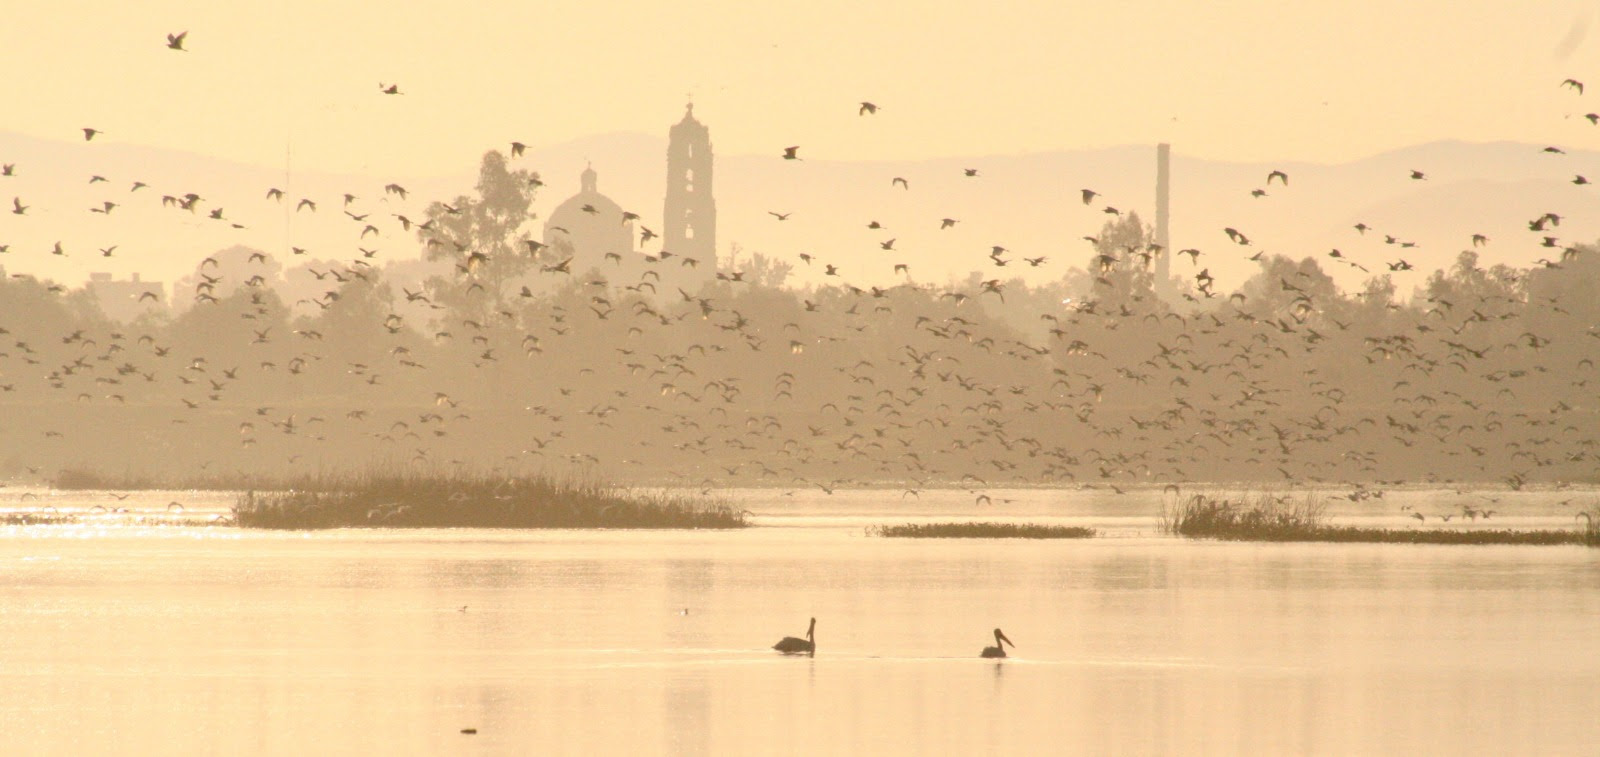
484 238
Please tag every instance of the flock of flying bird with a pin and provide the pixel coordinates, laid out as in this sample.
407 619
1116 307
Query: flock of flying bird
529 359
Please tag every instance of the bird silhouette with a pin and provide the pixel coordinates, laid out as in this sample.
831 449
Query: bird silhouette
998 650
791 645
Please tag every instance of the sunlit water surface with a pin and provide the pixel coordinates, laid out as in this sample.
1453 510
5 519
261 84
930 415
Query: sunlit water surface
119 638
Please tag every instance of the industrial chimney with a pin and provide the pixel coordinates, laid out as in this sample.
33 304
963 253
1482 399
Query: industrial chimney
1163 195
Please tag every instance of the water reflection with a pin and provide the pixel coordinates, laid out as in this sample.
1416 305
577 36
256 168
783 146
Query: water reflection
357 642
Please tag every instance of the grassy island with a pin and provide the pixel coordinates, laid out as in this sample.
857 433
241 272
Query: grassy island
455 500
1268 517
981 531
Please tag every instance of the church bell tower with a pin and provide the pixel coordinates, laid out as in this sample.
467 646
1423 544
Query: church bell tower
691 213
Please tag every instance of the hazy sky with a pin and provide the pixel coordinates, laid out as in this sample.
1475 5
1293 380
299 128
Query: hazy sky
1318 81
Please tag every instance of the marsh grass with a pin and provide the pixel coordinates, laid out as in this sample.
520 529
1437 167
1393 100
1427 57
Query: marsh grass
471 500
1591 525
53 517
981 531
40 518
1256 515
1266 516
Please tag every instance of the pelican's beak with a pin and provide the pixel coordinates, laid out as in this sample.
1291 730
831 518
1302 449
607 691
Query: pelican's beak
1002 637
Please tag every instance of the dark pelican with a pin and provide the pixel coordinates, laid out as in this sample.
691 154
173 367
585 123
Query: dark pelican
998 650
806 646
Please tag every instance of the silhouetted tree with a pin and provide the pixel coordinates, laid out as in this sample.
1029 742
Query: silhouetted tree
484 238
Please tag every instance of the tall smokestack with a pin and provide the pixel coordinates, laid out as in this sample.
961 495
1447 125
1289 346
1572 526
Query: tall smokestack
1163 195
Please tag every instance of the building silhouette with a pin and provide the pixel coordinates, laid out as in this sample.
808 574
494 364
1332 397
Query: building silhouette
587 227
592 229
690 215
125 300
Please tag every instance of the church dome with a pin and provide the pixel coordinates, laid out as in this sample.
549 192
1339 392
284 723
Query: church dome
590 225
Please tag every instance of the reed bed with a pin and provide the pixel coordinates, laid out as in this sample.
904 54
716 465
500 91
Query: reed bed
466 500
1262 516
981 531
40 518
78 518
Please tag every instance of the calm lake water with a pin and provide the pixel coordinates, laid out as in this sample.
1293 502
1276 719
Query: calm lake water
120 638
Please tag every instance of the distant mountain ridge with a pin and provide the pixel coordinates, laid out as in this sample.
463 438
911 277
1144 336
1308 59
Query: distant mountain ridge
1027 203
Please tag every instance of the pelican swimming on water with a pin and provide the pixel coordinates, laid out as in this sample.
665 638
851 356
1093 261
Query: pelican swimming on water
806 646
998 650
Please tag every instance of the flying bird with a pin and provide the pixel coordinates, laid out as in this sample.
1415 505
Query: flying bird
89 134
1281 176
789 153
867 108
175 41
1088 195
1573 83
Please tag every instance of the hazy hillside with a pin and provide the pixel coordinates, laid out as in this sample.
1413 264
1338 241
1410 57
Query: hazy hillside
1026 203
